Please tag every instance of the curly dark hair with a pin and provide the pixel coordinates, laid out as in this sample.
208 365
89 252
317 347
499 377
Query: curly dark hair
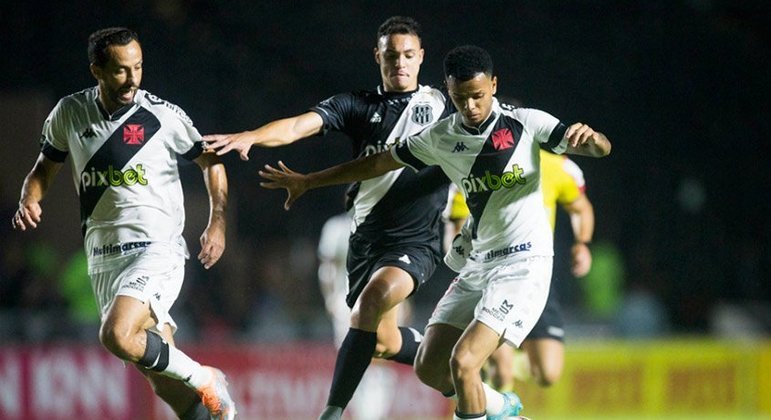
465 62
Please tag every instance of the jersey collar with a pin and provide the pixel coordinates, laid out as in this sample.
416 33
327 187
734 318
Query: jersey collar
486 123
115 115
382 92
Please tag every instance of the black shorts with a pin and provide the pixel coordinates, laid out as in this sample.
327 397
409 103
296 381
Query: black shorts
551 323
364 259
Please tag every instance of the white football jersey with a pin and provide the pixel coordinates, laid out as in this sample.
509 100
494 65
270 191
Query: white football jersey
124 167
496 166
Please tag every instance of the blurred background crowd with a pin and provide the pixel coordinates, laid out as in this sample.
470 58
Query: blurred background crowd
680 87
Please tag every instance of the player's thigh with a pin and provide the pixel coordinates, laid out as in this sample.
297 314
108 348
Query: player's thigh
388 285
475 346
435 349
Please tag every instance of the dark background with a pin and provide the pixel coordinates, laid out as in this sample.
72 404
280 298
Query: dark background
680 87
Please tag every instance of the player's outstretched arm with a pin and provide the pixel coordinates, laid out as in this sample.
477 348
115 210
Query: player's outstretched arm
213 237
36 183
584 141
273 134
296 184
581 214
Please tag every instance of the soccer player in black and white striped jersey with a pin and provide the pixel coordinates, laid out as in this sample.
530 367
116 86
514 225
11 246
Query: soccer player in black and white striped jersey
395 242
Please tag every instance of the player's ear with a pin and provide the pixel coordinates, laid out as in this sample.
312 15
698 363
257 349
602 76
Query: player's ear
96 71
376 51
421 52
495 84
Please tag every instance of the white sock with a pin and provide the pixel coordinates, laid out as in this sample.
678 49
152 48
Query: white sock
494 399
182 367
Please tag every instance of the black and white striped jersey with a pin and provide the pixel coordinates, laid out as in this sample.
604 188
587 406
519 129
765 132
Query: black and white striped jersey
496 166
124 167
400 206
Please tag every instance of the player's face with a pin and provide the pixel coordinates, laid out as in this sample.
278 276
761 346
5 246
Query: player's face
473 98
399 57
120 77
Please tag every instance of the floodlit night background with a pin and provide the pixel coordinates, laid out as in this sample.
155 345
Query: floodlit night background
682 238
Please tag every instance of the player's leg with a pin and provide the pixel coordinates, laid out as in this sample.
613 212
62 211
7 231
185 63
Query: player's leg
547 359
387 287
144 291
181 398
432 364
501 368
475 345
544 347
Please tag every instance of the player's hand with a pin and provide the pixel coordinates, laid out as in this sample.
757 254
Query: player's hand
27 216
223 143
293 182
212 245
580 134
581 259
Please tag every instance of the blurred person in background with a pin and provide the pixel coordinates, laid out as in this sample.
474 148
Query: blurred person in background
124 143
395 240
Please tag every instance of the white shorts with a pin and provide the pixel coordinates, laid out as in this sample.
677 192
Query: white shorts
507 296
154 275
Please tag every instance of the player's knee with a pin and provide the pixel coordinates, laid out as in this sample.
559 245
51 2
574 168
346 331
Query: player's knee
463 363
546 376
372 304
425 371
116 339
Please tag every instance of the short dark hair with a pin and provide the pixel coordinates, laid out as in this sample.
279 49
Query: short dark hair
399 25
103 38
465 62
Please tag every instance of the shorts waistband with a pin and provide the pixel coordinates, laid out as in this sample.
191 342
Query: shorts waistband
110 249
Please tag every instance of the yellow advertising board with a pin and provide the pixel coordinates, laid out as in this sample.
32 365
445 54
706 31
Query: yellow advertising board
658 379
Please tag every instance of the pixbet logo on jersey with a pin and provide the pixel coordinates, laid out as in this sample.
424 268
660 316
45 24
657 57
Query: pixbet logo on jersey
475 184
113 177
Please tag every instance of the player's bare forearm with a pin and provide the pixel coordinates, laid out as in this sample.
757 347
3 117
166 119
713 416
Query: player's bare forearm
356 170
581 214
35 186
296 184
584 141
273 134
213 237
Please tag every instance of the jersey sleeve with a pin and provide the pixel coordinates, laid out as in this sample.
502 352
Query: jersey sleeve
546 129
187 141
53 139
415 151
335 112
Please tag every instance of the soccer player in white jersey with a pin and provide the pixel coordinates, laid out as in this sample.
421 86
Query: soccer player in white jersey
492 154
395 244
124 144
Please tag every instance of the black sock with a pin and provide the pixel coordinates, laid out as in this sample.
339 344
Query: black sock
353 358
470 416
411 339
197 411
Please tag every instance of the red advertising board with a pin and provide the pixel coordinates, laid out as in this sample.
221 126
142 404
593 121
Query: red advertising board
278 382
